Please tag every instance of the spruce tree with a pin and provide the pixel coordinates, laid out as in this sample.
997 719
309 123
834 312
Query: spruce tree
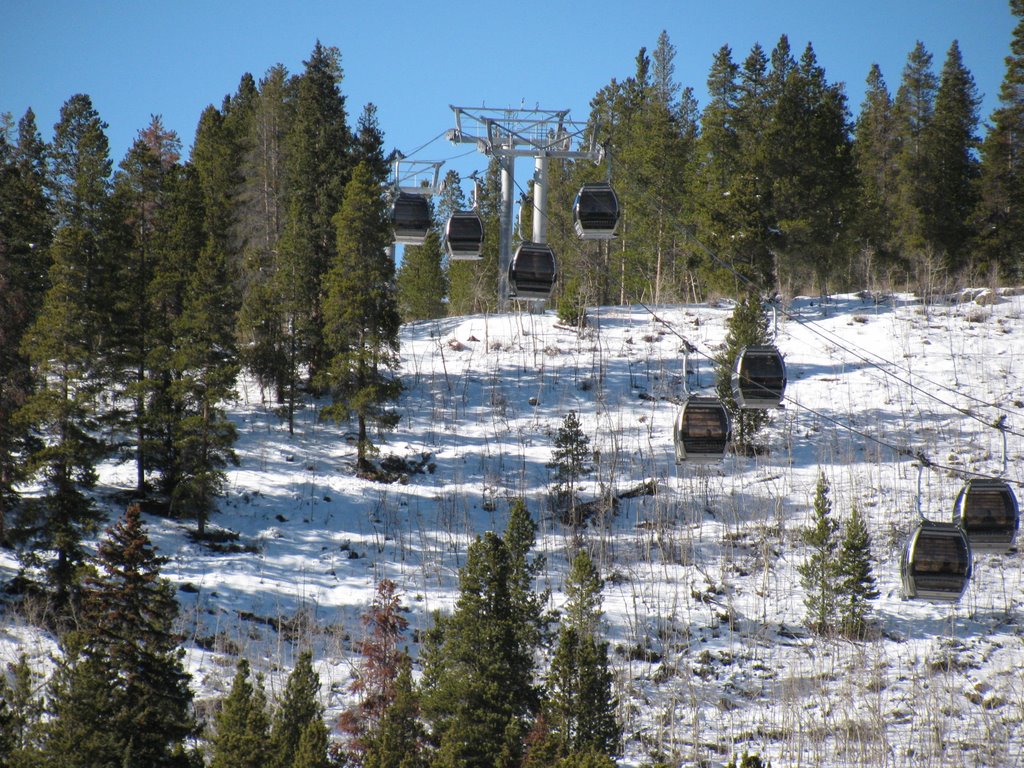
820 574
581 707
361 315
421 280
477 690
65 347
123 666
999 217
241 727
399 740
296 710
952 144
571 459
21 710
856 580
874 152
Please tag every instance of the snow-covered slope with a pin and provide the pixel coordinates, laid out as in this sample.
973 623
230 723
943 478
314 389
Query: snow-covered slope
703 603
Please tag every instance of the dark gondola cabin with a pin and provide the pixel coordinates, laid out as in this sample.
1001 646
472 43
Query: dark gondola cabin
533 272
411 218
702 430
759 377
988 512
936 563
596 212
464 236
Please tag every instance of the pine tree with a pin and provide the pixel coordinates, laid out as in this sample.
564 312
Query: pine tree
297 709
313 746
399 740
914 108
747 325
421 280
361 315
241 736
65 349
856 581
819 573
952 142
21 710
477 690
263 206
581 706
874 152
999 217
122 665
570 458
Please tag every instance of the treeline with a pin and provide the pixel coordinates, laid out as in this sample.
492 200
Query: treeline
505 681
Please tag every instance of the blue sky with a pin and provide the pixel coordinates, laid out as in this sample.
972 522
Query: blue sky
413 58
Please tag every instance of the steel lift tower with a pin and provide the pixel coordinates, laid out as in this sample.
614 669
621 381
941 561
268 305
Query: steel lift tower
507 134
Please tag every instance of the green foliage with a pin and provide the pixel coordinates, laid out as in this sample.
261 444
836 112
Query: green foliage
477 691
857 581
21 711
820 573
122 666
297 712
580 707
748 761
571 459
422 284
241 737
361 314
399 740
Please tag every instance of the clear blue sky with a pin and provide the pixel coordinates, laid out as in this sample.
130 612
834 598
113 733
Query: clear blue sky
413 58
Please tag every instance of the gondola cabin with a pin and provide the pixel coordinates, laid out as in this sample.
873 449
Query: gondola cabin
759 377
596 212
533 272
702 431
936 563
988 512
464 236
411 218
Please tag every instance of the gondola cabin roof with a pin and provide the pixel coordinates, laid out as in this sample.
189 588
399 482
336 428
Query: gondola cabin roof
532 272
464 236
702 430
988 511
411 218
936 563
759 377
595 211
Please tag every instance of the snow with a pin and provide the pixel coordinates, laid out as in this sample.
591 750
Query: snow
703 604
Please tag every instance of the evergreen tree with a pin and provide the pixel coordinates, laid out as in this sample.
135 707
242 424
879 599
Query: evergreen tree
477 690
581 706
65 349
263 206
527 602
952 142
21 712
123 667
241 736
399 740
313 746
361 314
25 225
914 108
141 192
422 285
318 148
570 459
999 216
874 151
856 581
297 710
820 574
747 325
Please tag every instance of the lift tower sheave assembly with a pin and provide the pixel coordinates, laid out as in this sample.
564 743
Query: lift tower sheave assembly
508 134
